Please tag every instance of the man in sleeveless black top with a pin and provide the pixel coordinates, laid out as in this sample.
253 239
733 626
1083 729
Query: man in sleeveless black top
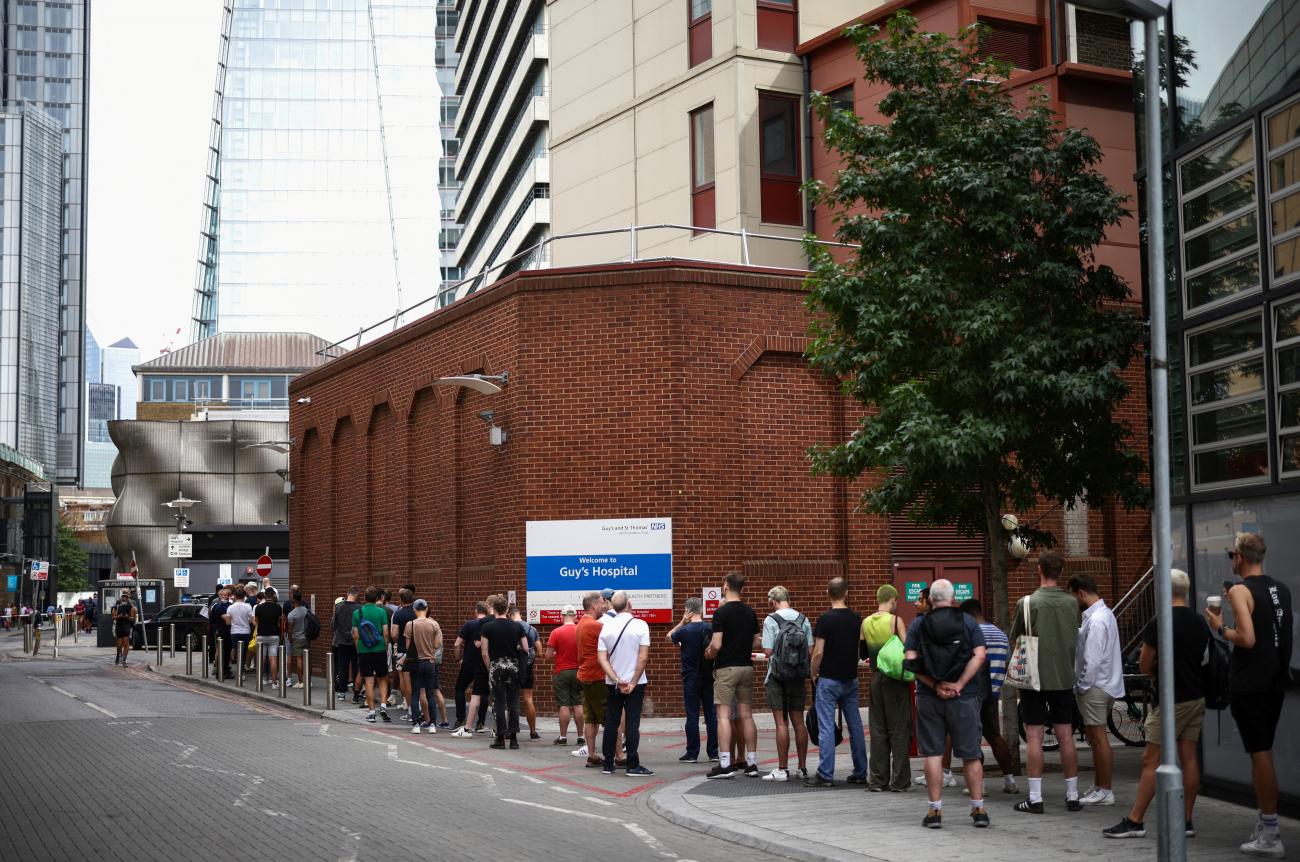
1259 673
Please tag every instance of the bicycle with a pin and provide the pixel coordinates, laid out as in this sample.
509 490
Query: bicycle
1127 721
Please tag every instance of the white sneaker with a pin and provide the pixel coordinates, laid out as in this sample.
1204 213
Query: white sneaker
949 780
431 728
777 775
415 728
1098 796
1265 844
800 774
462 733
919 780
581 751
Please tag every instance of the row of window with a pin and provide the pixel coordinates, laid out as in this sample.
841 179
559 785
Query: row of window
56 14
250 389
777 27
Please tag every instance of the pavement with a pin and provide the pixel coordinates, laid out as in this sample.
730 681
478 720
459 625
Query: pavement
740 818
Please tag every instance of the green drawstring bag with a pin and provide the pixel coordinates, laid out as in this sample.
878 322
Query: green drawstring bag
889 660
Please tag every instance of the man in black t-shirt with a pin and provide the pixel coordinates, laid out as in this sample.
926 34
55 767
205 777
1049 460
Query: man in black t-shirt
1191 636
835 686
501 641
736 634
345 649
406 658
269 617
472 676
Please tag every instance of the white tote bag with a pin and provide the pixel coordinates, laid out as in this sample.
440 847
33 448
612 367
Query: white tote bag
1022 667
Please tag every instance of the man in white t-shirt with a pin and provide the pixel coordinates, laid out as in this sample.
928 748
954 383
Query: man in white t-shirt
239 617
623 650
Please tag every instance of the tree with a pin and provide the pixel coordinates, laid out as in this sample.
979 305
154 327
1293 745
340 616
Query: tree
72 564
973 322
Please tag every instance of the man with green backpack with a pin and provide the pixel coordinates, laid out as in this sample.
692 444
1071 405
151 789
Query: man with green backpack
890 715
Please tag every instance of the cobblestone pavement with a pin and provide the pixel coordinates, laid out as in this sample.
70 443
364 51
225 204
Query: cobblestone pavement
104 763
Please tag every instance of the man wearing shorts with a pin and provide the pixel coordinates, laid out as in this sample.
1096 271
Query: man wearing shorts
591 676
123 622
472 678
1191 636
372 658
945 649
1099 680
1259 674
296 628
562 648
270 626
405 659
786 698
1054 618
735 637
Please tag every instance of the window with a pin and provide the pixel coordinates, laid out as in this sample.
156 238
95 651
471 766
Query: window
180 390
699 31
157 390
202 390
27 14
26 62
58 15
1225 392
778 117
59 41
446 173
1021 45
842 99
777 24
27 39
703 203
27 89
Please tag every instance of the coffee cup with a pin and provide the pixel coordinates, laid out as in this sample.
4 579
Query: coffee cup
1214 602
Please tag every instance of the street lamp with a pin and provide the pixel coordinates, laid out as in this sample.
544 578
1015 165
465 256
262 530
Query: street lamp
487 384
1169 779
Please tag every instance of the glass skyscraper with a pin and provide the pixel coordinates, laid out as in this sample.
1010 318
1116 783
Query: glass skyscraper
46 45
322 211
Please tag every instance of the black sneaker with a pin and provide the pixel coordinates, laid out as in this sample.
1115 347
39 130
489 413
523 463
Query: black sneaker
1028 807
980 818
560 740
607 768
751 770
383 713
856 779
1073 805
1189 830
689 758
720 772
498 744
816 780
1126 829
639 771
933 820
514 744
532 734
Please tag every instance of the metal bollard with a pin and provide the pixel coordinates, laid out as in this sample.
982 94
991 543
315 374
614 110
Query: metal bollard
159 640
58 624
284 672
171 644
257 663
27 638
241 655
329 680
189 654
221 659
305 677
205 656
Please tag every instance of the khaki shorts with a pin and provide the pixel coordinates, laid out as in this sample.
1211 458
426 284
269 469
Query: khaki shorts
1094 706
594 695
1188 717
733 685
568 691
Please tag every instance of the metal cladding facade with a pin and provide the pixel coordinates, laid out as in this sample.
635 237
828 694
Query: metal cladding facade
205 461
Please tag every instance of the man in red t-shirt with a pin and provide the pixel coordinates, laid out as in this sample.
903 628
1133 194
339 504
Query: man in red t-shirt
591 676
562 646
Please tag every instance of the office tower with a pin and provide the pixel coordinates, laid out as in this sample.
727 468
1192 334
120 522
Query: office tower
447 59
46 48
320 213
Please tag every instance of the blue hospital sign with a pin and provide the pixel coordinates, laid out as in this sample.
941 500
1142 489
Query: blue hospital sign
568 558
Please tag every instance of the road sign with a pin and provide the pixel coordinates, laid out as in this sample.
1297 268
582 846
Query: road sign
264 566
126 576
180 545
181 577
40 570
712 597
224 578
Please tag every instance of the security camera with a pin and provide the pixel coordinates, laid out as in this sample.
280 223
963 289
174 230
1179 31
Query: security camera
487 415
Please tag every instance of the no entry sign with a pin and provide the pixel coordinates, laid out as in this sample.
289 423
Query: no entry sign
264 566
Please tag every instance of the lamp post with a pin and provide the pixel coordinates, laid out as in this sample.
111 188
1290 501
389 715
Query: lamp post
1169 778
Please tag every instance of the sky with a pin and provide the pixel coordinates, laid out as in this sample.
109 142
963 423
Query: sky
152 68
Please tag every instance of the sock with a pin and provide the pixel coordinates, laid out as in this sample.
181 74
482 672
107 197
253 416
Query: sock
724 759
1270 822
937 805
1035 790
1072 788
751 759
976 803
1009 780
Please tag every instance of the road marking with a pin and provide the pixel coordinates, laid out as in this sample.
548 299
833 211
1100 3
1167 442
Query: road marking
598 801
475 762
449 754
652 842
503 769
564 790
557 810
99 709
533 780
78 698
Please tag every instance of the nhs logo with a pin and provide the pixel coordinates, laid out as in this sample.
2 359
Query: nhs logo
658 525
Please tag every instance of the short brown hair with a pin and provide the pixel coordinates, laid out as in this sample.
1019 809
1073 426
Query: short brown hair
735 581
838 588
1051 564
405 596
481 607
372 594
1251 547
499 604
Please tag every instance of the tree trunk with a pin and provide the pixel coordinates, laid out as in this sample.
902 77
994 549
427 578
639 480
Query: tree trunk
1001 616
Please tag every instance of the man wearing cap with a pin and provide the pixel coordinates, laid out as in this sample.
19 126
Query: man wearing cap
691 635
424 639
607 595
890 716
562 647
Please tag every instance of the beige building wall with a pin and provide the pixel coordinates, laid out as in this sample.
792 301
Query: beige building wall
621 97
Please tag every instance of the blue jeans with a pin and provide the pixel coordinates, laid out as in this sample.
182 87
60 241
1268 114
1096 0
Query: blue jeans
832 693
697 696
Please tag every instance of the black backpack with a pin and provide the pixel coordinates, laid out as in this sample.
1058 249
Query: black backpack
311 628
1214 673
945 649
789 661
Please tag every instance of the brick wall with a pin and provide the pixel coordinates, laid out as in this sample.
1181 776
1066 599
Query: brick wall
646 390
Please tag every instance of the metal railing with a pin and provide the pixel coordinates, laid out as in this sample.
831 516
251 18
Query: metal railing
1134 609
541 249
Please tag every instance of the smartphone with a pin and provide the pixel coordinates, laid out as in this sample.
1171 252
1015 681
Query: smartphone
1228 584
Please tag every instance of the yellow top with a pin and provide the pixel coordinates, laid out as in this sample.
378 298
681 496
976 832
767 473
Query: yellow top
877 628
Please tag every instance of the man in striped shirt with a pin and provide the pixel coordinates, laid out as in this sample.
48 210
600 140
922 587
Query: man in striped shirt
991 676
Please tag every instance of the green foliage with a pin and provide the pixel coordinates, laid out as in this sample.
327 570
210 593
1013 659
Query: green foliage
72 564
973 321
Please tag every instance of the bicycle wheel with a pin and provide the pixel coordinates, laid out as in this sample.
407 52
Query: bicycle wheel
1127 720
1050 742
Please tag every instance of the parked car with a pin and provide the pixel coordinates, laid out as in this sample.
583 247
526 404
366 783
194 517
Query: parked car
187 618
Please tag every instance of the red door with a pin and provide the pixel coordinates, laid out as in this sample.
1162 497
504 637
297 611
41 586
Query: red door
911 577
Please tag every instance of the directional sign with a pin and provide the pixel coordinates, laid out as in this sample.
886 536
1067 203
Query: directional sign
264 566
180 545
181 577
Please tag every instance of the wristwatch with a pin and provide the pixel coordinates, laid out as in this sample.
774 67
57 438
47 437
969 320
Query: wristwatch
1221 628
